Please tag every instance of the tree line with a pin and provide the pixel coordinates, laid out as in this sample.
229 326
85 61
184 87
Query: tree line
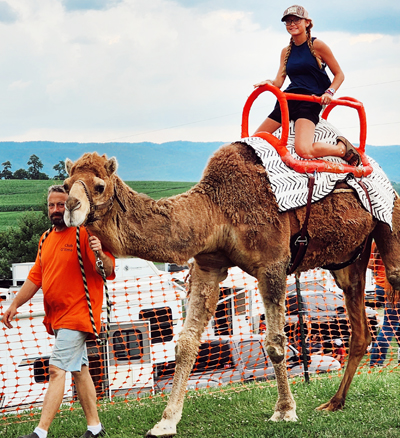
34 170
19 243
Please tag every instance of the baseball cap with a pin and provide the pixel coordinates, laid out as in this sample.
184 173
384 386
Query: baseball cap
297 11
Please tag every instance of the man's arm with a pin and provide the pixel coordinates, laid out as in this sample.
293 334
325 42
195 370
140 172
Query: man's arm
26 292
96 247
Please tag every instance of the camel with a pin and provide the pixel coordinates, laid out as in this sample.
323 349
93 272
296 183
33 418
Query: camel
231 218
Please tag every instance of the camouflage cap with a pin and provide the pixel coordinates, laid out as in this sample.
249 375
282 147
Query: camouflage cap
297 11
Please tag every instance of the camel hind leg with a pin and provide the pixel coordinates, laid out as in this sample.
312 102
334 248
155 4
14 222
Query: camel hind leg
352 281
388 243
203 299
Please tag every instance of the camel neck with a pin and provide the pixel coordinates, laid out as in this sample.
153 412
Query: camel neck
160 231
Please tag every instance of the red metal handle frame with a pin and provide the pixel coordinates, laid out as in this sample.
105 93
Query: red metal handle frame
308 166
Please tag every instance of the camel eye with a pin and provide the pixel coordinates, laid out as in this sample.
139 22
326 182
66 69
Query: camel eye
99 188
66 187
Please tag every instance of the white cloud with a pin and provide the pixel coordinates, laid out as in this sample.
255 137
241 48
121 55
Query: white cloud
365 38
158 71
20 85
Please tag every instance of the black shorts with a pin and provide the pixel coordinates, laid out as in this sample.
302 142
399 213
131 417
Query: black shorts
298 109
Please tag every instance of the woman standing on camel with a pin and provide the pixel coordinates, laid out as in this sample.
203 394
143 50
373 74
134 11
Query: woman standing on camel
304 61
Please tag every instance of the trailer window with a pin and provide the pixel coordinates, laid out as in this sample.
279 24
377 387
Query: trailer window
160 324
252 354
127 344
212 356
41 370
240 303
292 307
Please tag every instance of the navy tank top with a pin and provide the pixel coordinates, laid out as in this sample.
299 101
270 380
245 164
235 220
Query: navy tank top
304 73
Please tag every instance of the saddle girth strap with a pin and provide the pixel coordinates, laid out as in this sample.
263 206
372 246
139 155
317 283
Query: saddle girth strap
299 241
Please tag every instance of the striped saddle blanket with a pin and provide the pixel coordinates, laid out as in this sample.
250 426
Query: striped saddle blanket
291 187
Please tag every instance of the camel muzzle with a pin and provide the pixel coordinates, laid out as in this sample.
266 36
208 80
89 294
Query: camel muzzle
72 204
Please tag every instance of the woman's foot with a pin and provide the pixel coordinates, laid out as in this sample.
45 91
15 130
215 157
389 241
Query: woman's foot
351 155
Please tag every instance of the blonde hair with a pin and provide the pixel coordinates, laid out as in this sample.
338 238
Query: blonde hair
310 45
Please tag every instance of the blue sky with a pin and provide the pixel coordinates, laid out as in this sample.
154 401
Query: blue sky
161 70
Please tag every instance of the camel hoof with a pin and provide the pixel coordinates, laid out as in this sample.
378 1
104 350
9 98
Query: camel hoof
162 429
329 406
284 416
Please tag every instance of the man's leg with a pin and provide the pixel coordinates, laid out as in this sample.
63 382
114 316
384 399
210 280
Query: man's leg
87 395
53 397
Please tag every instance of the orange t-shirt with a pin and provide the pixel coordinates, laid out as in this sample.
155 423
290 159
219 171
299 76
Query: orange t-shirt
58 273
377 266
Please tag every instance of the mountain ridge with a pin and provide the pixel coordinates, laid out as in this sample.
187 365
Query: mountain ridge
147 161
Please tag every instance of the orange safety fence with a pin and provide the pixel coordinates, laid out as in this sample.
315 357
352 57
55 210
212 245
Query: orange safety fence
148 312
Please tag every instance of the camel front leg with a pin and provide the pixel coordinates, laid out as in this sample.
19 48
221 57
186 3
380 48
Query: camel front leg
272 286
352 281
203 299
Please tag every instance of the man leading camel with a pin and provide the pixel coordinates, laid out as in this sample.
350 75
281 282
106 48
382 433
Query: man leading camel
57 271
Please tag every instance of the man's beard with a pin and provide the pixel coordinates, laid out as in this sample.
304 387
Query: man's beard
57 219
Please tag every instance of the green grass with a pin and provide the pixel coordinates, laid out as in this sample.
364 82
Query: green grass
18 196
23 195
242 411
160 189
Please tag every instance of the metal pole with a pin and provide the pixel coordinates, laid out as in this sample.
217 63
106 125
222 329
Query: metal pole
302 335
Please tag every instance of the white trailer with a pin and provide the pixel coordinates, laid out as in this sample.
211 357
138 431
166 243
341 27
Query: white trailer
146 317
240 305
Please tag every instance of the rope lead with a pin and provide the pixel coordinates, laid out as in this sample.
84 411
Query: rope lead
99 263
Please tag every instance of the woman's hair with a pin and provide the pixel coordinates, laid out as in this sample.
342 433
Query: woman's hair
310 45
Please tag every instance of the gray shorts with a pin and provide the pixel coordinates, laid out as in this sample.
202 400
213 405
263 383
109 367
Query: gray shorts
69 352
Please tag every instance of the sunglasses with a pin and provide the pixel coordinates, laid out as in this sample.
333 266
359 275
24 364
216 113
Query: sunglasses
293 21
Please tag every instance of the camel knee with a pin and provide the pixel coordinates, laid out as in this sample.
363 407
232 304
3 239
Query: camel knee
358 347
393 277
275 347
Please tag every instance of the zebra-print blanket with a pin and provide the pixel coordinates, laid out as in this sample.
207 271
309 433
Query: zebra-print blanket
290 187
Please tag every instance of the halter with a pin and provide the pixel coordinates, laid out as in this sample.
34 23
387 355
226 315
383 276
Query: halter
95 207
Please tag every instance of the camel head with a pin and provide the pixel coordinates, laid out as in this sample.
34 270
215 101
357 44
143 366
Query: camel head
90 187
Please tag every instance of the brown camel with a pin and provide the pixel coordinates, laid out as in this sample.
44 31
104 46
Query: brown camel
231 218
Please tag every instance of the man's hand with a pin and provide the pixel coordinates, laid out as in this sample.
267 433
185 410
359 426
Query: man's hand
26 292
96 247
95 244
8 316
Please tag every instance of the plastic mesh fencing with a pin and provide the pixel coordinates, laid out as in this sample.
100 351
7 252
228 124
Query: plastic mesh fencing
148 312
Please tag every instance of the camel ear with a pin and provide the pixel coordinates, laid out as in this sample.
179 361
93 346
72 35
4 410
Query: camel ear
68 166
111 166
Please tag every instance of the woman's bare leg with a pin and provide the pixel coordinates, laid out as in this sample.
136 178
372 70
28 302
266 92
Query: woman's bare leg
305 146
268 125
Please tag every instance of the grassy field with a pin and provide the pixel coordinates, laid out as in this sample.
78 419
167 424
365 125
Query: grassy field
242 411
18 196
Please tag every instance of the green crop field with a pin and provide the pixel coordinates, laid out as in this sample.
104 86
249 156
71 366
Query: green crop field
18 196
